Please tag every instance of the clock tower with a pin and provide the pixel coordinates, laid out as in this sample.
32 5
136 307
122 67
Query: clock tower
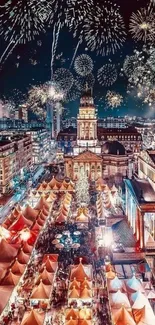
87 125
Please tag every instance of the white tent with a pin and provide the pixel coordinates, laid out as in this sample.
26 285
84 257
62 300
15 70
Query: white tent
118 299
138 300
116 284
134 284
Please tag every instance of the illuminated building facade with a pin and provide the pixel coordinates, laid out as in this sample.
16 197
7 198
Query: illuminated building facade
98 159
130 138
140 210
146 166
41 145
87 126
15 156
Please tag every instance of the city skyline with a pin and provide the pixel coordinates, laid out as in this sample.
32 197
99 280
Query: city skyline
29 65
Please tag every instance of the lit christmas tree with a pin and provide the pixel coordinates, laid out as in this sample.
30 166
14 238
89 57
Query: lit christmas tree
82 190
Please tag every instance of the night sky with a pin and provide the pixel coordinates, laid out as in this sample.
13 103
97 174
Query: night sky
29 65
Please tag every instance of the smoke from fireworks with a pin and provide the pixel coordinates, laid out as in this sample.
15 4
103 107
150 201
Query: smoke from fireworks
107 75
83 65
63 78
104 28
142 24
113 99
39 96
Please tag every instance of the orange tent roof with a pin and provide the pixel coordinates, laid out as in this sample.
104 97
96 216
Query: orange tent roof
40 221
144 316
85 313
27 248
42 291
42 215
30 213
16 211
5 293
40 188
46 277
75 284
71 314
110 274
50 266
74 293
52 182
36 226
42 204
45 212
70 187
17 268
84 322
11 279
86 293
122 317
22 257
82 218
86 284
33 318
7 251
61 218
72 322
2 273
55 187
20 223
51 257
79 273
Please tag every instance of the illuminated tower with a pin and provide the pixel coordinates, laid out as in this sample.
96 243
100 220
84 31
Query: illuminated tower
87 125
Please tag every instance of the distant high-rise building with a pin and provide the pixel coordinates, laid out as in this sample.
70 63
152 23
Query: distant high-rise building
23 113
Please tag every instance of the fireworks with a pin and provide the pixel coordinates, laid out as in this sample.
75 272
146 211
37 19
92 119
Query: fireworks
22 19
83 65
151 60
113 99
150 97
107 75
77 13
73 93
104 28
143 75
142 24
81 82
63 78
38 97
129 65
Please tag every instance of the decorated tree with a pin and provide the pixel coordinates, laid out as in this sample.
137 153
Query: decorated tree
82 189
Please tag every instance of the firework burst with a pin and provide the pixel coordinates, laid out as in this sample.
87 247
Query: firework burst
76 15
151 60
143 75
73 93
39 96
24 19
142 24
107 75
63 78
150 97
113 99
129 65
104 28
83 65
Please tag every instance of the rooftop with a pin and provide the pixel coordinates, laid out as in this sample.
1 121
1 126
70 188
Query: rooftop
141 189
129 130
